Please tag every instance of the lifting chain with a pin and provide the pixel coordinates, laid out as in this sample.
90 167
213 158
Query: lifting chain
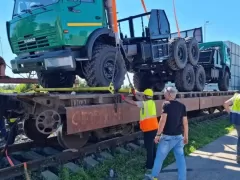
117 99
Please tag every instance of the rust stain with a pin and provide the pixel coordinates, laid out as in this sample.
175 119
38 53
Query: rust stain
85 118
205 102
91 117
190 103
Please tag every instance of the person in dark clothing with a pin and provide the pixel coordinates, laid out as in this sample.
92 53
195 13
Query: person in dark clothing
169 135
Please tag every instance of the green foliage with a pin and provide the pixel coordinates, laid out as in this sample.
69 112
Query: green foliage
131 166
8 87
22 88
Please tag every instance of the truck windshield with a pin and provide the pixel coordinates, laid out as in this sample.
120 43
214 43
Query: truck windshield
23 6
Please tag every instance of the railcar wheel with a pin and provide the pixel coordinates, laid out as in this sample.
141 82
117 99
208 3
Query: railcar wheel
30 130
59 138
211 110
73 141
126 129
48 122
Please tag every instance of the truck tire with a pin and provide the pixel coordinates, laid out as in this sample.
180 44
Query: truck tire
56 79
223 83
193 50
99 69
141 81
158 86
200 78
185 79
177 54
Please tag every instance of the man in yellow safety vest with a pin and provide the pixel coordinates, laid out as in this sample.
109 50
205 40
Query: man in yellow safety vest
148 123
235 117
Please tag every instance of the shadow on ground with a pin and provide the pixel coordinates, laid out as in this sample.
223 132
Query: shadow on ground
215 161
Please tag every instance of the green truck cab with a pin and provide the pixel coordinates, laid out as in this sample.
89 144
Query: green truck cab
50 36
215 58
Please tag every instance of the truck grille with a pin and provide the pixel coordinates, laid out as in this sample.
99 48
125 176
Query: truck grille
205 57
38 43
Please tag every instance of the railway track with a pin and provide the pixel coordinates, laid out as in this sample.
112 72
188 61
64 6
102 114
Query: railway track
44 158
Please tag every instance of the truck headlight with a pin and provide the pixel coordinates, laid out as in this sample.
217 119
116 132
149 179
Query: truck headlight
58 62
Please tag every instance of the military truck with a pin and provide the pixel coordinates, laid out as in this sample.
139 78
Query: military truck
215 60
61 39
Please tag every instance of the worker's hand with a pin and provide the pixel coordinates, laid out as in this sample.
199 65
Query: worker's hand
122 97
185 140
133 91
157 139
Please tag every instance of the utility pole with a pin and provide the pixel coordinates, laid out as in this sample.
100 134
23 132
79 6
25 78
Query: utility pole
205 24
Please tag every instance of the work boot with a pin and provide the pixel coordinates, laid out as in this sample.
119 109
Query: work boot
149 177
238 159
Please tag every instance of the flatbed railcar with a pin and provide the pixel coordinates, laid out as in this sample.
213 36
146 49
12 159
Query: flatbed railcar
77 119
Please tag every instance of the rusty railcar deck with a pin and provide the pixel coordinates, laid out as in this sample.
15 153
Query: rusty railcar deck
86 112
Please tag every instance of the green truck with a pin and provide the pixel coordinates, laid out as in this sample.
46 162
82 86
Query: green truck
62 38
215 58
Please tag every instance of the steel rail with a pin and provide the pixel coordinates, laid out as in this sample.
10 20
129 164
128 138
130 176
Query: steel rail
68 155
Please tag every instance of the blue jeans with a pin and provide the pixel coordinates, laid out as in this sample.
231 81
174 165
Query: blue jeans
164 147
238 142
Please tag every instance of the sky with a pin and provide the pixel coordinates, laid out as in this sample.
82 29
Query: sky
222 15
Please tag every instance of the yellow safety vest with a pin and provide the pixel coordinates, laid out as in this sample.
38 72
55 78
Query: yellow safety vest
235 111
148 116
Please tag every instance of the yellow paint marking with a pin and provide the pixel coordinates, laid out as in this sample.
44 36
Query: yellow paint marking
84 24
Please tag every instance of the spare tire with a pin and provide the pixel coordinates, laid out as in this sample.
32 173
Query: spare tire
193 50
177 54
200 78
185 79
100 69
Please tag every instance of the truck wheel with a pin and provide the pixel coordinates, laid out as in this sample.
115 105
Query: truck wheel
185 79
193 50
177 54
223 83
141 81
99 70
56 79
200 79
158 86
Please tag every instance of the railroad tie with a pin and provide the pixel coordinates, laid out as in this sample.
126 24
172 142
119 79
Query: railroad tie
133 146
72 167
48 175
90 162
122 150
